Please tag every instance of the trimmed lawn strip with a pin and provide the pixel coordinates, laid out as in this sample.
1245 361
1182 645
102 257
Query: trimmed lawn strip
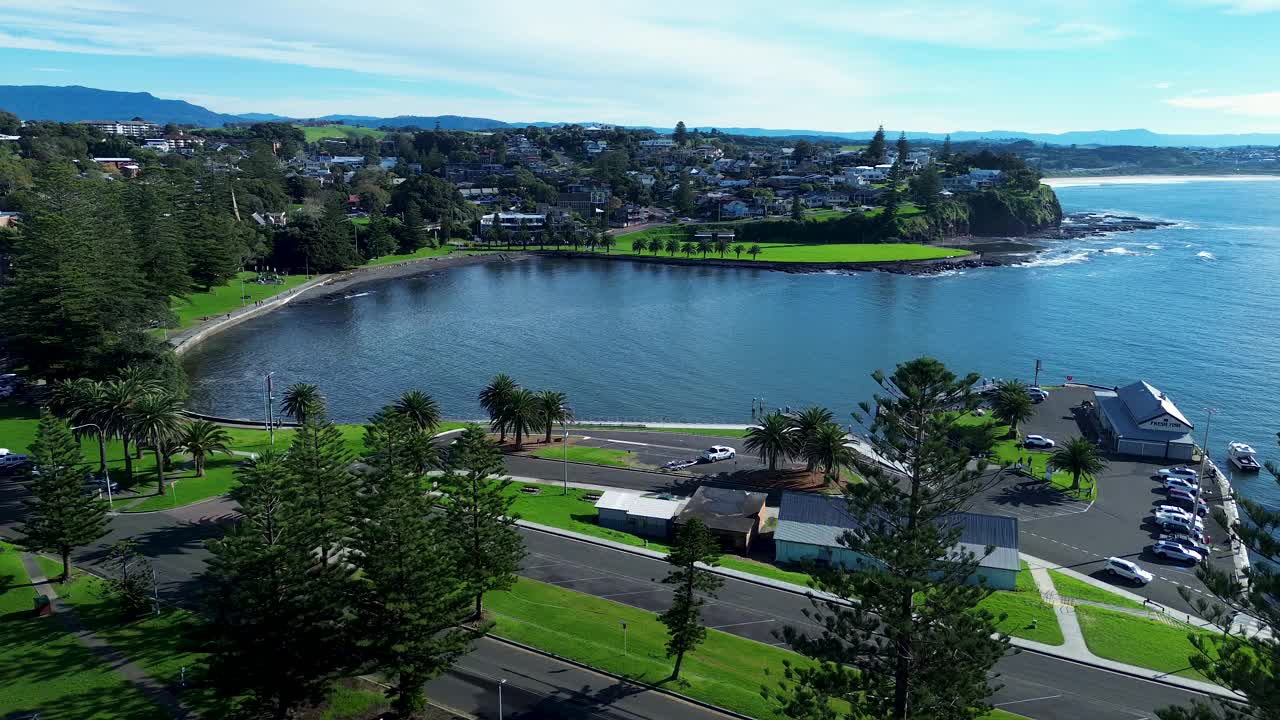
44 669
1070 587
755 567
712 432
789 252
1138 641
569 512
1023 612
726 670
583 454
225 298
338 132
425 252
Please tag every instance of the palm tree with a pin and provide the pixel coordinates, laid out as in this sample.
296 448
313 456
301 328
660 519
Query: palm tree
754 251
738 250
495 398
688 249
722 246
607 241
138 381
522 414
80 402
118 400
655 246
200 438
420 408
639 245
1078 457
303 401
672 246
157 420
772 439
826 448
591 243
806 424
704 247
1011 405
553 408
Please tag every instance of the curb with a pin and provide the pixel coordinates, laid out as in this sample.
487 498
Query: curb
622 678
1220 692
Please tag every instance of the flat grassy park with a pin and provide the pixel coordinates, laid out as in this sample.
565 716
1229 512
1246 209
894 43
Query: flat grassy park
338 132
793 253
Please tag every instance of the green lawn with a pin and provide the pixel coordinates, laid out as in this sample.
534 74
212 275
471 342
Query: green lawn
1070 587
338 132
224 299
46 670
841 253
727 671
1137 641
579 453
1025 609
569 512
747 565
421 253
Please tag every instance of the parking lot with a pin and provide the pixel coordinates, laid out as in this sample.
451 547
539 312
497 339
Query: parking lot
1081 535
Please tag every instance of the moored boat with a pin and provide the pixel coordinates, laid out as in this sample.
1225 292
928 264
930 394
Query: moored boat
1243 457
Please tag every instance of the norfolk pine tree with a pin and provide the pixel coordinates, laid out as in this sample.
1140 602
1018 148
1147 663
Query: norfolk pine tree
915 645
694 544
413 597
481 525
61 515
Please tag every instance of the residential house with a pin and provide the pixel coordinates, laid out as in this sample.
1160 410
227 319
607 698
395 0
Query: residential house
8 219
656 146
116 164
736 209
628 215
270 219
160 145
10 138
734 516
595 147
126 128
708 152
811 526
583 200
515 221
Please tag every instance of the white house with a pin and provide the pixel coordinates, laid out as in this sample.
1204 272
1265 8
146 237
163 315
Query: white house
158 144
638 514
515 221
735 209
867 172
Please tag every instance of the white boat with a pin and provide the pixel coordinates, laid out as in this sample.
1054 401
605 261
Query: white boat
1243 457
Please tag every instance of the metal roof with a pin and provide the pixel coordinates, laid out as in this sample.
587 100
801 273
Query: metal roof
639 505
813 519
1144 403
615 500
1122 421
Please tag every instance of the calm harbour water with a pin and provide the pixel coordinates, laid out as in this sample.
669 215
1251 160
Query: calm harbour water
1191 308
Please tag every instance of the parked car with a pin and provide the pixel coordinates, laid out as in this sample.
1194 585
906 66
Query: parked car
1194 542
1187 498
99 482
1175 551
1172 510
13 463
1128 570
1037 441
1037 394
1179 522
1180 471
1191 484
719 452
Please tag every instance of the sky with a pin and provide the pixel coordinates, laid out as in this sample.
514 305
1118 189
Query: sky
1176 66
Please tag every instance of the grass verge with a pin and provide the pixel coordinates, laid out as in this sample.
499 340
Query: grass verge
1029 617
791 253
226 298
579 453
1070 587
1137 641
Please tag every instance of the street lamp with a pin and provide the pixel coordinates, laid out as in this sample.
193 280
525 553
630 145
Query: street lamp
1204 457
624 636
102 450
501 682
564 446
271 434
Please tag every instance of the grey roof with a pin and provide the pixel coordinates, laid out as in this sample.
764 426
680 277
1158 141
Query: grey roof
724 509
1123 424
814 519
1144 403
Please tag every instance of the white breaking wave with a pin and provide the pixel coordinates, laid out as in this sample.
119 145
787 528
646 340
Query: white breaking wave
1056 259
1120 251
1154 247
348 297
1206 255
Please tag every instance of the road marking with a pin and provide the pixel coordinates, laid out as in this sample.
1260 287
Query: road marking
535 567
597 577
1034 699
753 622
633 592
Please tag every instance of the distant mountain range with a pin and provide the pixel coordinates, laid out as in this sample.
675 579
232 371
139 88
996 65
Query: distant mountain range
72 103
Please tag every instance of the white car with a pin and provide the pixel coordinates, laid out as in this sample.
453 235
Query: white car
1037 441
1190 484
1188 497
719 452
1181 471
1128 570
1178 522
1175 551
1037 394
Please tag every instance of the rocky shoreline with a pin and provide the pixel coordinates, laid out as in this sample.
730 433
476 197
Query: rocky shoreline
1093 224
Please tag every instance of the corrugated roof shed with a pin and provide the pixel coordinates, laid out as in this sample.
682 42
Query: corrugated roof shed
1120 416
616 500
821 520
726 509
1146 402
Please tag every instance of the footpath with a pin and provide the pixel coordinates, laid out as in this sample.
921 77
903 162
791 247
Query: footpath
147 685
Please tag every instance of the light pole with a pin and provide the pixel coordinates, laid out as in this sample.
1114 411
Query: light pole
501 682
271 434
624 636
564 446
102 450
1204 458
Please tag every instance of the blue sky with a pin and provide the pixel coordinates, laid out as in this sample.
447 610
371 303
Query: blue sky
928 65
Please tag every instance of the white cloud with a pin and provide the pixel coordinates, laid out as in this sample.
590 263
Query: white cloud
1265 104
1163 85
1246 7
984 26
50 69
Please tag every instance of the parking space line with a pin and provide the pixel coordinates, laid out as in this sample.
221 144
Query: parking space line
557 582
1015 702
739 624
633 592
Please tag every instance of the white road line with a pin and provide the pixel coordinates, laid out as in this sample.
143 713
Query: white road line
535 567
597 577
753 622
1034 699
633 592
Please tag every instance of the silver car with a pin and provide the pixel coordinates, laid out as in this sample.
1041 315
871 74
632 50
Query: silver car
1174 551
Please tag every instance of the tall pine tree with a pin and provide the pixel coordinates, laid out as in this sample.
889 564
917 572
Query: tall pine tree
685 631
875 151
413 597
479 518
61 515
914 645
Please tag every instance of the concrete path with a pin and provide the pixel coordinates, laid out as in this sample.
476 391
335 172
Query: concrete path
1073 638
66 614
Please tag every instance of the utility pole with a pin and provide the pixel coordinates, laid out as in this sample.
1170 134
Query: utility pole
271 433
1036 382
1204 460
